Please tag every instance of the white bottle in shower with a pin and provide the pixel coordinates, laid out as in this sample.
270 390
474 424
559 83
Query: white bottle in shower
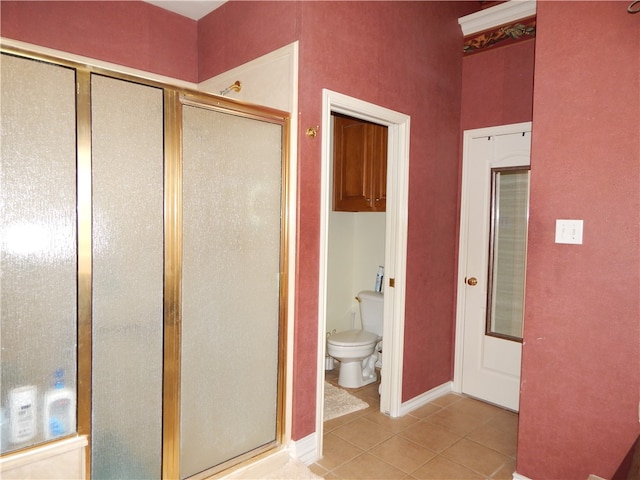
59 409
22 414
379 277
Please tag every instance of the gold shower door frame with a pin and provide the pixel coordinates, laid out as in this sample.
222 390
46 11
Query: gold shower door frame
174 99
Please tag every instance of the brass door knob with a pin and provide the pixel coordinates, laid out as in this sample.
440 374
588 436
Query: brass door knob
473 281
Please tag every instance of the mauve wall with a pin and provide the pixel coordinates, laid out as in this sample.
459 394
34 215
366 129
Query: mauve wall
406 56
581 363
497 86
133 34
238 32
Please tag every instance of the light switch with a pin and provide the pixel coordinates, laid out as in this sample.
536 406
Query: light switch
569 231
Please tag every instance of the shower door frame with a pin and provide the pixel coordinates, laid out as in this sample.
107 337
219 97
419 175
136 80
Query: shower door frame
175 100
174 97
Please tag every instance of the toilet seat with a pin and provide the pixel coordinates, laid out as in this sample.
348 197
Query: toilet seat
353 338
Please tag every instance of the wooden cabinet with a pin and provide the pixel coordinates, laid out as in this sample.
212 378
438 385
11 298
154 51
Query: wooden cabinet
359 165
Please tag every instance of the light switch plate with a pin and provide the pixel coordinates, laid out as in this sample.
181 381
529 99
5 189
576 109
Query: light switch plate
569 231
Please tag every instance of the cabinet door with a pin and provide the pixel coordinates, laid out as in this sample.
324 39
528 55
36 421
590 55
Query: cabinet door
351 167
379 156
359 165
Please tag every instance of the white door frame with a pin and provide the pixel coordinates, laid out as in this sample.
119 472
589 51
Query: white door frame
395 244
462 248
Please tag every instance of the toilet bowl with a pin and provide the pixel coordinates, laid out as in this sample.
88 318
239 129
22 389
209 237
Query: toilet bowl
354 349
357 350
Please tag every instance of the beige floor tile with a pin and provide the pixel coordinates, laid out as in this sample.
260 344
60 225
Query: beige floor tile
446 400
362 433
456 422
505 419
430 436
334 423
506 471
331 476
394 425
368 467
371 390
476 457
453 437
425 411
476 408
402 453
318 470
496 437
337 451
442 469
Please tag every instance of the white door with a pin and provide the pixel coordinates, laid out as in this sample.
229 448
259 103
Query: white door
494 218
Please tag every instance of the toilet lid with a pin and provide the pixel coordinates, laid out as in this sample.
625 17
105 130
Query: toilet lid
354 338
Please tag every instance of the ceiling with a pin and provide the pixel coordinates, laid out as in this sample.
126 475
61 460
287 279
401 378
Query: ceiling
194 9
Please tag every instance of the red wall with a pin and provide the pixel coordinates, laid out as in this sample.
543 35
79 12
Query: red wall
581 362
406 56
497 86
238 32
133 34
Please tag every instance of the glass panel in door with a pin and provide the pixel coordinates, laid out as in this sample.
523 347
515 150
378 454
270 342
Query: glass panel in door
38 252
232 184
127 174
508 255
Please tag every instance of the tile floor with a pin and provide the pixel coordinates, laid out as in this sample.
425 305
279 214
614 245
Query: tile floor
453 437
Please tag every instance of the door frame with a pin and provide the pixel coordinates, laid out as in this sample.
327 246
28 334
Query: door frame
463 238
395 244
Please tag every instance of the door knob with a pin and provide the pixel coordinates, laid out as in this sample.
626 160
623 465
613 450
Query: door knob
473 281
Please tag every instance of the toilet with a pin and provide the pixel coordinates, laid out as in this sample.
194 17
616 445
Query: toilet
357 350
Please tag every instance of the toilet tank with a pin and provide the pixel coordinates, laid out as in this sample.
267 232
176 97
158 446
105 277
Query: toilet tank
371 311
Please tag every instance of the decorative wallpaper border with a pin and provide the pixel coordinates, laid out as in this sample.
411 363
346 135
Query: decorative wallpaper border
504 35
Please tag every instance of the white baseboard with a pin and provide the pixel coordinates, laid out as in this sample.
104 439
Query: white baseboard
305 449
425 398
517 476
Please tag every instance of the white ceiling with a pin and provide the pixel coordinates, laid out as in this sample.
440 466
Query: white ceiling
195 9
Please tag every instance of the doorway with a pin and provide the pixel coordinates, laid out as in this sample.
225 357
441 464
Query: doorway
492 263
395 244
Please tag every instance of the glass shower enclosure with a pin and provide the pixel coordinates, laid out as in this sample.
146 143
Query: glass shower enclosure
144 255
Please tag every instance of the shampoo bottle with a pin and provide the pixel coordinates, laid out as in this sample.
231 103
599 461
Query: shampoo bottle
59 409
379 278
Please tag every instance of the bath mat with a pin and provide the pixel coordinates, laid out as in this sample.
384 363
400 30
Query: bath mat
277 467
338 402
292 470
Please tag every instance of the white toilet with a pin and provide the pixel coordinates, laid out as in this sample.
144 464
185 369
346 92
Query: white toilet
357 350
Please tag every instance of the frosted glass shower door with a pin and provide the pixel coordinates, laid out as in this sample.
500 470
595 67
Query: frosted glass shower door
232 184
38 249
128 156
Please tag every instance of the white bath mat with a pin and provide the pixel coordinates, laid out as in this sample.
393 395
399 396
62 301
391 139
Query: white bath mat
277 467
338 402
292 470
